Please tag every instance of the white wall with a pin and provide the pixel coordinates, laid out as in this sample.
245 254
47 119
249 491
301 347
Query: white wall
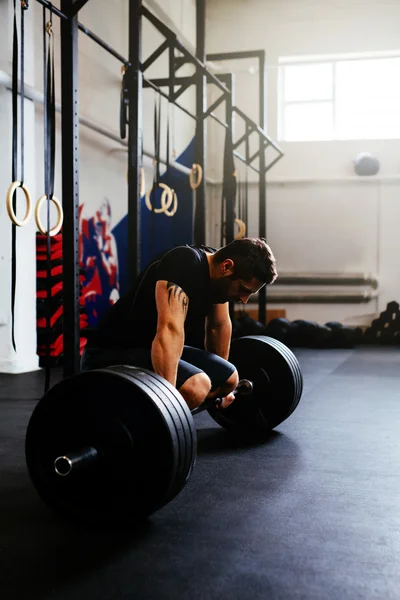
103 165
315 225
25 305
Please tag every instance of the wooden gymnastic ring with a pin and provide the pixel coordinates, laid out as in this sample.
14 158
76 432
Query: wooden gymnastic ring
165 205
170 213
196 170
241 229
14 186
54 230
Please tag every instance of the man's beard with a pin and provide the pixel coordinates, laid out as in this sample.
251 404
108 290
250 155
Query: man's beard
220 289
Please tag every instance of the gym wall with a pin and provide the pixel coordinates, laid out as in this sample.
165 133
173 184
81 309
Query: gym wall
103 162
318 219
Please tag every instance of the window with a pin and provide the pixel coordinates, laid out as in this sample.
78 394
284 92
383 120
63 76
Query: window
340 99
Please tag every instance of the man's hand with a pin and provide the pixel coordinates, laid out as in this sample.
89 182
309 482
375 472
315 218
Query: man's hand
227 400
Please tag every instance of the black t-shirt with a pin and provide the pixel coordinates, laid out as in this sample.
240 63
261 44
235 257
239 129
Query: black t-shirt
132 321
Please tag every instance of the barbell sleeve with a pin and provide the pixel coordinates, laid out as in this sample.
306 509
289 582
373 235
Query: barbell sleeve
243 388
75 461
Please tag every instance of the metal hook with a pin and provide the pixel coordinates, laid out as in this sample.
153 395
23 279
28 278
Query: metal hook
49 29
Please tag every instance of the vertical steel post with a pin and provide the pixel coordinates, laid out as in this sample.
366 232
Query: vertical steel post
199 226
70 189
262 204
230 202
135 140
171 71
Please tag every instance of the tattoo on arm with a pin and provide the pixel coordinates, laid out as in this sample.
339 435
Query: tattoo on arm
176 291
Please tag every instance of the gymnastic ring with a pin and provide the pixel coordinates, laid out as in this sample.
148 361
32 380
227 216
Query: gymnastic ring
196 170
170 213
241 229
14 186
164 205
54 230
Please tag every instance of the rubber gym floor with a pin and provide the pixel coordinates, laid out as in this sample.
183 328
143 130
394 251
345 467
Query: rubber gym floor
313 513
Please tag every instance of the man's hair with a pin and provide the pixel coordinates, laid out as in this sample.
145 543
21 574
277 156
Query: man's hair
252 257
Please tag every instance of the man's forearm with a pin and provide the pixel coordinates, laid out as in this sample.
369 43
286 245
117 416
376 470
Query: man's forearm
218 340
166 351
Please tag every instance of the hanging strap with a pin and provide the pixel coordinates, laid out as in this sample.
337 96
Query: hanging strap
246 198
246 192
229 182
49 167
14 166
123 108
168 173
14 171
156 177
158 140
239 212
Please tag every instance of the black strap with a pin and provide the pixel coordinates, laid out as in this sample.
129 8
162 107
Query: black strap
229 182
239 212
246 194
123 110
246 198
157 140
14 171
167 174
49 168
14 167
156 176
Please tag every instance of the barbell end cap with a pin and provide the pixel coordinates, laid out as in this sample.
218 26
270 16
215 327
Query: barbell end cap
63 466
244 387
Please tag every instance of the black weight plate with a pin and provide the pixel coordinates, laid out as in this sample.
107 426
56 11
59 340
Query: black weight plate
183 421
296 373
140 446
186 435
277 380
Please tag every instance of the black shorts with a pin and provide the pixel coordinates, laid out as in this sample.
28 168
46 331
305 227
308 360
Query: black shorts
193 361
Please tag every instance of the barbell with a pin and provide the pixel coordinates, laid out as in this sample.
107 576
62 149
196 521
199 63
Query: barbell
114 445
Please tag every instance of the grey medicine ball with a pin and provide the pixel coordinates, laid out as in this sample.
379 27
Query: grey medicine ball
366 164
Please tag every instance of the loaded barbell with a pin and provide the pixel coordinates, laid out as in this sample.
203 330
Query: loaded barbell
71 463
117 444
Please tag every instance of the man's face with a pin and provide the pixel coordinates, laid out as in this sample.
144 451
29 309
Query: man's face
231 289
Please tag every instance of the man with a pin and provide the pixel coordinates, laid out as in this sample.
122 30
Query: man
179 306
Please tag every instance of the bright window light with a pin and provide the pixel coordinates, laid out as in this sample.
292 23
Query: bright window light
309 122
308 82
341 100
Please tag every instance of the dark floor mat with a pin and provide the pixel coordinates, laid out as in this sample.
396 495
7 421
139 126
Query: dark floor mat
311 514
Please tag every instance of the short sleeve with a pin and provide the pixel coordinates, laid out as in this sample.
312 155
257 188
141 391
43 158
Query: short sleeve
180 266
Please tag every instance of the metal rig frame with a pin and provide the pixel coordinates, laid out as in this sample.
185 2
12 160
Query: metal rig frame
136 81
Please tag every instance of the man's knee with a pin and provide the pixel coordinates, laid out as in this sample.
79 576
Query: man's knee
232 382
196 389
226 388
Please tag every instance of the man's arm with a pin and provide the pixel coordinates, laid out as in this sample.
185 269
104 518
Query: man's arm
219 331
172 305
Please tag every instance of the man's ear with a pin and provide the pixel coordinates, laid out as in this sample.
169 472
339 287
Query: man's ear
227 267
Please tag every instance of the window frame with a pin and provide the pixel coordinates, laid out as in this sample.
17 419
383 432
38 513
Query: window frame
284 62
